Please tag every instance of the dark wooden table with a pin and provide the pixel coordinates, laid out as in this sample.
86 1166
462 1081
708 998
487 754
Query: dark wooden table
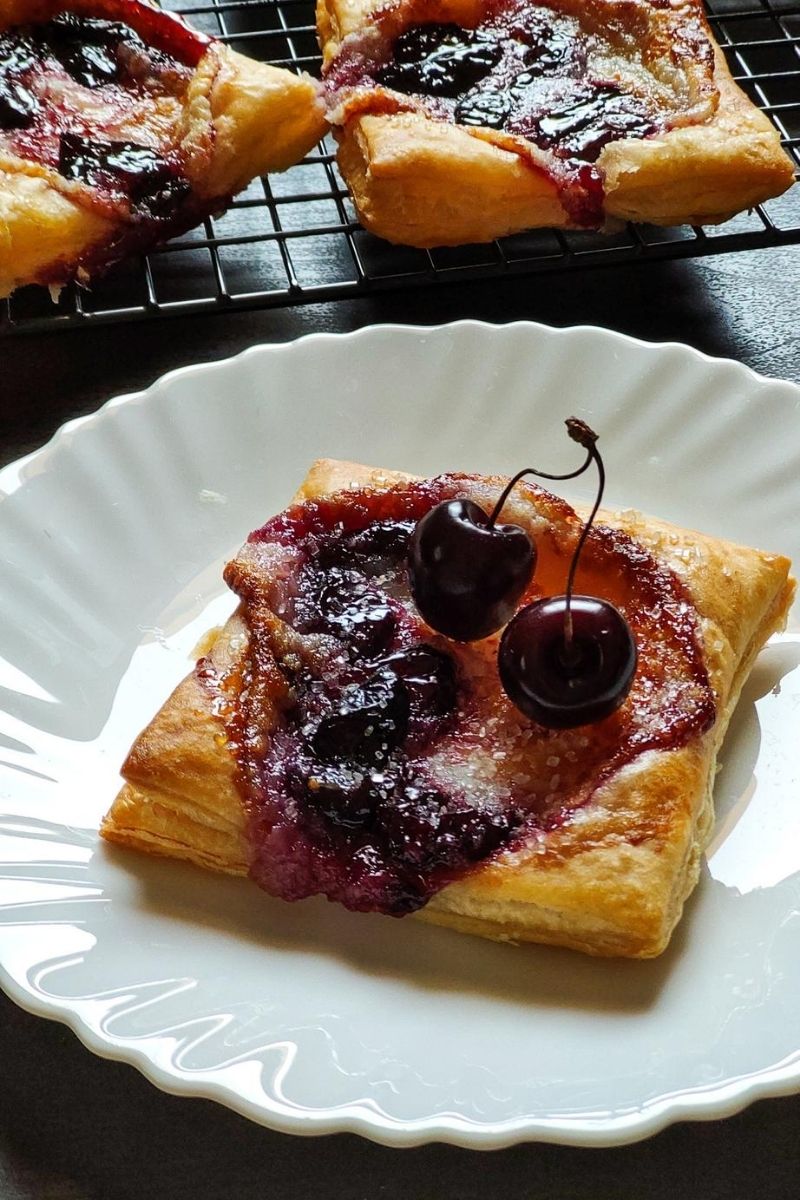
75 1127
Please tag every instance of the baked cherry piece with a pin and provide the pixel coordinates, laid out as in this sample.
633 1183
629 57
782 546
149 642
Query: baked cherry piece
440 60
569 660
369 721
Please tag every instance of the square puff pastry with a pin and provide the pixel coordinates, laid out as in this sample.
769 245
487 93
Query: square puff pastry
610 880
428 182
234 119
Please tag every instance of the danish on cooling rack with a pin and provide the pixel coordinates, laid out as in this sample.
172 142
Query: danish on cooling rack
463 120
120 126
332 741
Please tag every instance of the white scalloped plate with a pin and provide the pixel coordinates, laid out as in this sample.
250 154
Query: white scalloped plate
304 1017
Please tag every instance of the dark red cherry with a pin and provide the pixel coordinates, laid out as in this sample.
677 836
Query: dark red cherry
466 573
561 683
429 677
342 794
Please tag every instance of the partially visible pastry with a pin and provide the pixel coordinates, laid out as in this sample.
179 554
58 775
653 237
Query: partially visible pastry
331 741
464 120
120 127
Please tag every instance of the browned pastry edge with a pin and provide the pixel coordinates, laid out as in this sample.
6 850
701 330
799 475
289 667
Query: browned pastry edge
240 119
612 881
423 182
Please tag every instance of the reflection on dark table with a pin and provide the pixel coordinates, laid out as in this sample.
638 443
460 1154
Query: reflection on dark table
75 1127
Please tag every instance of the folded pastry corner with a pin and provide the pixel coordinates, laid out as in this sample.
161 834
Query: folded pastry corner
330 742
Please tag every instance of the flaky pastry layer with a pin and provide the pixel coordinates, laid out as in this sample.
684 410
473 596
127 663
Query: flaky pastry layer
238 119
611 881
426 182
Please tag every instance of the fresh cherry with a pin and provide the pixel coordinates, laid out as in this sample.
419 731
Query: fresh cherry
569 660
467 573
562 683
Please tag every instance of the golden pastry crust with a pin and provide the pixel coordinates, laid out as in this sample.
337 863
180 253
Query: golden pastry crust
426 182
181 797
236 119
611 880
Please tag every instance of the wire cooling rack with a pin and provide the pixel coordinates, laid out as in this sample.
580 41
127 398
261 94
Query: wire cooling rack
295 239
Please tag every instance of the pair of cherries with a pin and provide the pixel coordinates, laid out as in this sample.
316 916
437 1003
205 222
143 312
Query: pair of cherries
563 660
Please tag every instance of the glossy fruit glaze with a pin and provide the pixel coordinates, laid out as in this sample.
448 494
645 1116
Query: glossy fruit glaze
379 761
71 88
150 181
524 71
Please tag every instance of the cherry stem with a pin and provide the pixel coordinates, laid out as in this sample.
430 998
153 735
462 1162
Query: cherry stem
512 483
585 436
580 432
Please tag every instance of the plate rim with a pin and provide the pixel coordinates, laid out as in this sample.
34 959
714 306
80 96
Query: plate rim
391 327
711 1102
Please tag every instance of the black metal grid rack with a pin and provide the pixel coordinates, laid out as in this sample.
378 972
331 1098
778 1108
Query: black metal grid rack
294 238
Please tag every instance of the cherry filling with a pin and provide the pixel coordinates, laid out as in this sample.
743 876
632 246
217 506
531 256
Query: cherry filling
18 106
153 183
68 85
523 71
88 49
440 60
379 761
342 802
